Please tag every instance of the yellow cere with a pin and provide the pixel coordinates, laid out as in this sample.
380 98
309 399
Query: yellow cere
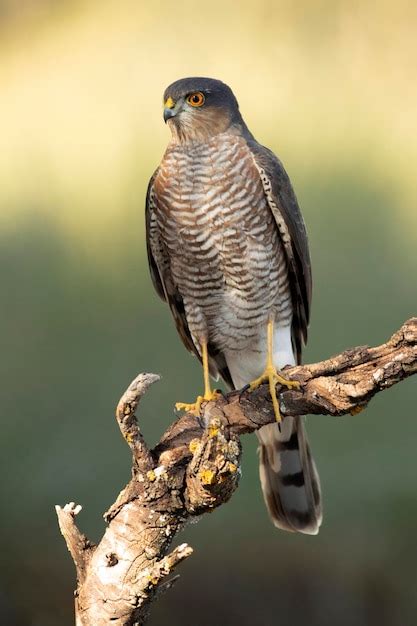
169 103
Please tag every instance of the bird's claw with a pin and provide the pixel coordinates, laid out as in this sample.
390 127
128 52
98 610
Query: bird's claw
271 376
195 407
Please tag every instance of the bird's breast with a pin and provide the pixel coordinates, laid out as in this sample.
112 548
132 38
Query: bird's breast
210 198
214 220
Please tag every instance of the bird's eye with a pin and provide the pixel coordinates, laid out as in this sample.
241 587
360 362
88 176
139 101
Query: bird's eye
196 99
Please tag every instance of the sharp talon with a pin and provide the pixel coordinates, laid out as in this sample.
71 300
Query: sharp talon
242 391
273 378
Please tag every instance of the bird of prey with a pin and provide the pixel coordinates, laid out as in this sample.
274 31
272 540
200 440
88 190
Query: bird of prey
228 251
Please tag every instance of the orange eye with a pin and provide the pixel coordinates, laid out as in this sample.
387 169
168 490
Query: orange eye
196 99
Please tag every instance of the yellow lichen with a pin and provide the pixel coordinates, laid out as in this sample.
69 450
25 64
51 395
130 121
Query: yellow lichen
214 428
194 445
154 580
151 475
232 468
207 477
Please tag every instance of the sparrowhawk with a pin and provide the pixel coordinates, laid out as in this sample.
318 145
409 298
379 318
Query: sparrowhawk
228 252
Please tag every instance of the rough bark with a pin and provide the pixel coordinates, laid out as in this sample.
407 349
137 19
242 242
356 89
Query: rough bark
196 467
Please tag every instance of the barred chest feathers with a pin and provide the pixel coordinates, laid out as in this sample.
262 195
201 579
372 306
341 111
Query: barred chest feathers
225 252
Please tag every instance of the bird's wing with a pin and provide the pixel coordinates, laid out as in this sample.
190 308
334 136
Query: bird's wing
284 206
160 269
291 492
152 240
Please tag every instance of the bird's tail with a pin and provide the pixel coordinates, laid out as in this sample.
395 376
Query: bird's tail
289 478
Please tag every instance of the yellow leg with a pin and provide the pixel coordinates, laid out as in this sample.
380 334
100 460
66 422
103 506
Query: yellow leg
271 375
209 394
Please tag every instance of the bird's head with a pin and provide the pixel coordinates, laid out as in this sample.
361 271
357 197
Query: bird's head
199 108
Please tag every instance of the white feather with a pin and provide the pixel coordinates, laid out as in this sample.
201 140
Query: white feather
246 365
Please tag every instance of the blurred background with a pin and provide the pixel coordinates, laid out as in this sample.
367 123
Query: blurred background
331 87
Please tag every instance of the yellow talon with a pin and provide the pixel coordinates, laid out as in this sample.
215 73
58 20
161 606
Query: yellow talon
273 377
195 407
209 394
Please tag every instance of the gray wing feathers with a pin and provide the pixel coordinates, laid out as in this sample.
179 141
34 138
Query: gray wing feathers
284 206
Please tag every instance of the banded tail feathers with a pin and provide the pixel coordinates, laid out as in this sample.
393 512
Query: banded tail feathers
289 478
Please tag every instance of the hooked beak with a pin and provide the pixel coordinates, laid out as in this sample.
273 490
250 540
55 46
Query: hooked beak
170 109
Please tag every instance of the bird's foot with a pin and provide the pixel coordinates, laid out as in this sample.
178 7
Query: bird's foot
271 376
195 407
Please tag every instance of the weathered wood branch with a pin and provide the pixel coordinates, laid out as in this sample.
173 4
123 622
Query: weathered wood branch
195 468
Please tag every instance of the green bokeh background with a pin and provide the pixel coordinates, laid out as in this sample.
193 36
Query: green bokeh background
330 87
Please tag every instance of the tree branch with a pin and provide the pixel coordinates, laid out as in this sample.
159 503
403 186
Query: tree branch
196 467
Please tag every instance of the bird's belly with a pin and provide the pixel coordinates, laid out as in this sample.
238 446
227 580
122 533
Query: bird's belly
231 282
